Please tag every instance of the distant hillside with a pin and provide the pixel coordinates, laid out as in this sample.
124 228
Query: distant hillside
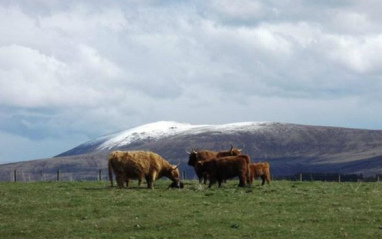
289 148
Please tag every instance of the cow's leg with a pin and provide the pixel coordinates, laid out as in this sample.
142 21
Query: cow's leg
127 182
241 181
220 183
268 178
205 178
249 179
151 184
139 182
120 180
152 177
147 181
199 174
263 180
212 181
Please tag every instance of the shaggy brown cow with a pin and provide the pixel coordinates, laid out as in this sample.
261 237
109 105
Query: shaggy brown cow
220 169
259 170
203 155
138 165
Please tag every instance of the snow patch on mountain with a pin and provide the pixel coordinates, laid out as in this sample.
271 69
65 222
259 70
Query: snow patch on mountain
144 132
157 130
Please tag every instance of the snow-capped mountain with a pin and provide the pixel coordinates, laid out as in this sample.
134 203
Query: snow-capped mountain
152 131
288 148
160 130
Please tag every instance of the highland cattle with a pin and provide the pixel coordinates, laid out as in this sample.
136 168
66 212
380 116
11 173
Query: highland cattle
220 169
140 164
259 170
203 155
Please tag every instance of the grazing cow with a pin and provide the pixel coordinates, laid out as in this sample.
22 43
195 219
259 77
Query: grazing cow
203 155
138 165
220 169
259 170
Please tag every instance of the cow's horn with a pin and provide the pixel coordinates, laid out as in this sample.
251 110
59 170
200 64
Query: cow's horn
242 148
193 150
173 168
187 151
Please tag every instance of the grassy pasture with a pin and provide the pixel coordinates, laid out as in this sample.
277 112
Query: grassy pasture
283 210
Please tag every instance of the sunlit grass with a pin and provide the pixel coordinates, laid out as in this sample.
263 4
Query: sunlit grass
283 210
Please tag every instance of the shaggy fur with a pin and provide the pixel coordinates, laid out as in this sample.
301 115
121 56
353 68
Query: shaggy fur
140 164
259 170
220 169
203 155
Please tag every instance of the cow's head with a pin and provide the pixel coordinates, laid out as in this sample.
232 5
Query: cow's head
172 173
234 151
231 152
193 158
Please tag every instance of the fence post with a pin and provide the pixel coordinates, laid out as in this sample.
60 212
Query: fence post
339 178
100 175
14 176
41 173
300 177
184 175
58 175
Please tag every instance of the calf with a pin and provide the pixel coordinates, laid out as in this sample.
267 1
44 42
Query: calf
259 170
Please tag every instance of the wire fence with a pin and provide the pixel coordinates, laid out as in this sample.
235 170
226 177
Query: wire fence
102 174
59 175
329 177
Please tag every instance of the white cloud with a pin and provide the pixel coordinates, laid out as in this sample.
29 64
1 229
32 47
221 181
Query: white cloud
75 67
30 79
352 23
242 10
27 78
359 54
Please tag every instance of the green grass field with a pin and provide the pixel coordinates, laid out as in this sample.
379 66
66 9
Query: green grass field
283 210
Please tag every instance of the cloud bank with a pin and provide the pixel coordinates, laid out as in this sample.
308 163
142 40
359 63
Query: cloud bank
74 70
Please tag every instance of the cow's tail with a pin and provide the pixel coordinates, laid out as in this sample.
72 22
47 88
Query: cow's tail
110 169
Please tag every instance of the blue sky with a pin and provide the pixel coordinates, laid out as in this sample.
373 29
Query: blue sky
71 71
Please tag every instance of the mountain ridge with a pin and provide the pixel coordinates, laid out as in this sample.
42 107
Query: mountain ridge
155 131
289 148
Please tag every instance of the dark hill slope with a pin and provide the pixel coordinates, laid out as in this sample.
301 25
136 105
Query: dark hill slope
289 148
